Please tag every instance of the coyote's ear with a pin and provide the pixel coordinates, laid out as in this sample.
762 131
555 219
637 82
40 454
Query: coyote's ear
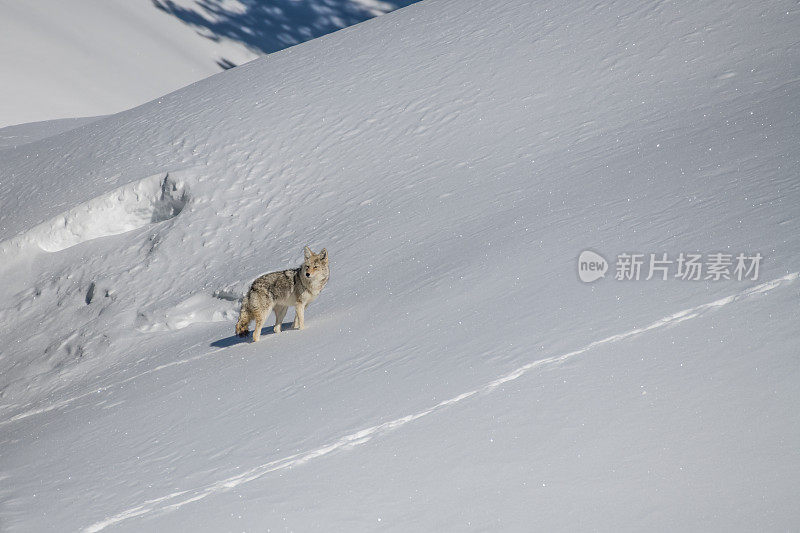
308 253
324 254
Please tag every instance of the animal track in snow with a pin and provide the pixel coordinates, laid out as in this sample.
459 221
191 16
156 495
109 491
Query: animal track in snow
132 206
179 498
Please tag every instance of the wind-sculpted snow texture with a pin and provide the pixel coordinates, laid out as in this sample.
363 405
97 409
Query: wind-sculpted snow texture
455 158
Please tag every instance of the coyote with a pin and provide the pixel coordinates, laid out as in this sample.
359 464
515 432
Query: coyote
276 291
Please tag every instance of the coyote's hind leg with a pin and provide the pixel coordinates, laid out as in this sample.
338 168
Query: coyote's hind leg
280 312
261 316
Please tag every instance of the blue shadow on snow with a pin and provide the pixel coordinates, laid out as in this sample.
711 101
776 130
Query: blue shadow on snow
266 26
233 340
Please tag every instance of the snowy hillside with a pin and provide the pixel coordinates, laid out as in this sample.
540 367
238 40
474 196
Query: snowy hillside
455 158
94 57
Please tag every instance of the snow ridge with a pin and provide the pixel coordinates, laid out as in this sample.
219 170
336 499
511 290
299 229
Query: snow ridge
147 201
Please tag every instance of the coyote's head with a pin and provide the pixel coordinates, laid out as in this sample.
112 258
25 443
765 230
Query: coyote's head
315 266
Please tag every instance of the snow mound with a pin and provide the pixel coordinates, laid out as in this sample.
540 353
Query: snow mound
195 309
134 205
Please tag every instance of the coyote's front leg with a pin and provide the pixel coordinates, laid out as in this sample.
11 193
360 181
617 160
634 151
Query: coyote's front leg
299 316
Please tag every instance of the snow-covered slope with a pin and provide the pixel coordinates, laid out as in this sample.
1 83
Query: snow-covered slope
15 136
454 158
94 57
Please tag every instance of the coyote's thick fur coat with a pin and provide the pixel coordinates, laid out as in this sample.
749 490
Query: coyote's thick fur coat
276 291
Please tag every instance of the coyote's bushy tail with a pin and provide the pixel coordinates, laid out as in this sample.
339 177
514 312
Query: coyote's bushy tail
243 325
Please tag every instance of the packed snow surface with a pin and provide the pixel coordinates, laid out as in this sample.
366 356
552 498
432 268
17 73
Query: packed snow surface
455 158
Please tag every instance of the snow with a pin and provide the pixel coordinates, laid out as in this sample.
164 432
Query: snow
14 136
95 57
455 159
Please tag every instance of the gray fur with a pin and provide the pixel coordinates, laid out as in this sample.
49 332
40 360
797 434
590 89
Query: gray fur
277 291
